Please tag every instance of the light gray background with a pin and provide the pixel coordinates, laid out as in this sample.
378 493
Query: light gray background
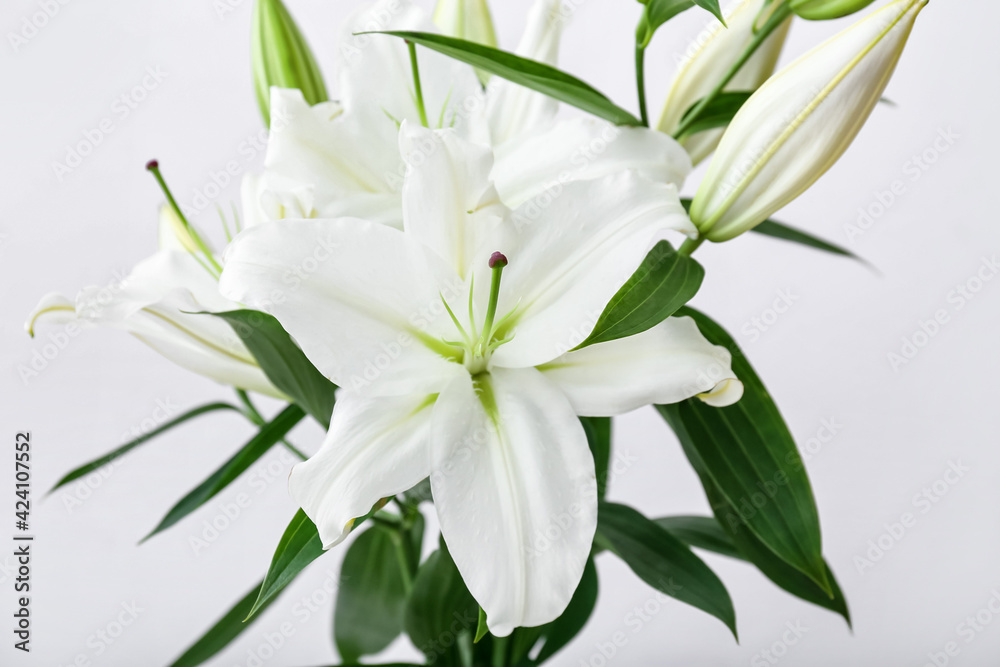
825 359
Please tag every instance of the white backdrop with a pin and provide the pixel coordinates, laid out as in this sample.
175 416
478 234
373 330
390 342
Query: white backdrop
876 436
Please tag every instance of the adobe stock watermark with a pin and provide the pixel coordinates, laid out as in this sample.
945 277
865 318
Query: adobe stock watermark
966 632
912 171
121 108
957 298
759 324
105 637
32 24
772 655
923 502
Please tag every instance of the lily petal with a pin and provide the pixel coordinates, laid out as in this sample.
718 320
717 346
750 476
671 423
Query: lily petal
52 309
515 492
669 363
358 297
376 447
538 164
448 200
513 110
573 255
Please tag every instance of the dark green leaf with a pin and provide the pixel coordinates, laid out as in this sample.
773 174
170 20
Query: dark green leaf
658 12
562 630
482 628
663 561
718 113
598 430
529 73
701 532
664 282
748 453
268 435
221 634
780 231
300 545
440 609
283 362
129 446
372 593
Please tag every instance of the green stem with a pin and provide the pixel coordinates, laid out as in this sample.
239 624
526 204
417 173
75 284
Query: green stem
640 82
255 417
416 83
500 657
690 245
402 557
781 12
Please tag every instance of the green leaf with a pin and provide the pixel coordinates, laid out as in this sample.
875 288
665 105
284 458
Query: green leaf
372 594
778 230
440 609
598 430
482 628
268 435
663 561
701 532
529 73
562 630
747 452
664 282
658 12
705 532
300 545
228 628
718 113
284 363
83 470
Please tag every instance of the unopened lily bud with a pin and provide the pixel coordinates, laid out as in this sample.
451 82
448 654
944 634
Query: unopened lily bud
281 57
708 59
466 19
823 10
799 123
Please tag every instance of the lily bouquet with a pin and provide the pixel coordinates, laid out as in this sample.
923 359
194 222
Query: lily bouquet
464 283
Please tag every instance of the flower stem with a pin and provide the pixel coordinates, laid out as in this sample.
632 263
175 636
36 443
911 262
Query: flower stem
416 83
640 82
255 417
781 12
690 245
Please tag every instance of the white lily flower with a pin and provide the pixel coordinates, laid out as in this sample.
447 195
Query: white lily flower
450 373
155 303
708 59
799 123
337 159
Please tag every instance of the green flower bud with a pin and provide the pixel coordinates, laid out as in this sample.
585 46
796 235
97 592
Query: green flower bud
822 10
466 19
281 57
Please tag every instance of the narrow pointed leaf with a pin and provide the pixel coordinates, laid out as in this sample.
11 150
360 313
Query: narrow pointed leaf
700 532
372 594
221 634
87 468
663 561
268 435
482 628
284 363
523 71
665 281
747 452
658 12
781 231
775 569
300 545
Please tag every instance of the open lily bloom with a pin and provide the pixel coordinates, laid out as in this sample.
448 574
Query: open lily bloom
157 303
341 158
455 359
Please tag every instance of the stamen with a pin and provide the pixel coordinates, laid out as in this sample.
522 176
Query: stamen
154 167
497 262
